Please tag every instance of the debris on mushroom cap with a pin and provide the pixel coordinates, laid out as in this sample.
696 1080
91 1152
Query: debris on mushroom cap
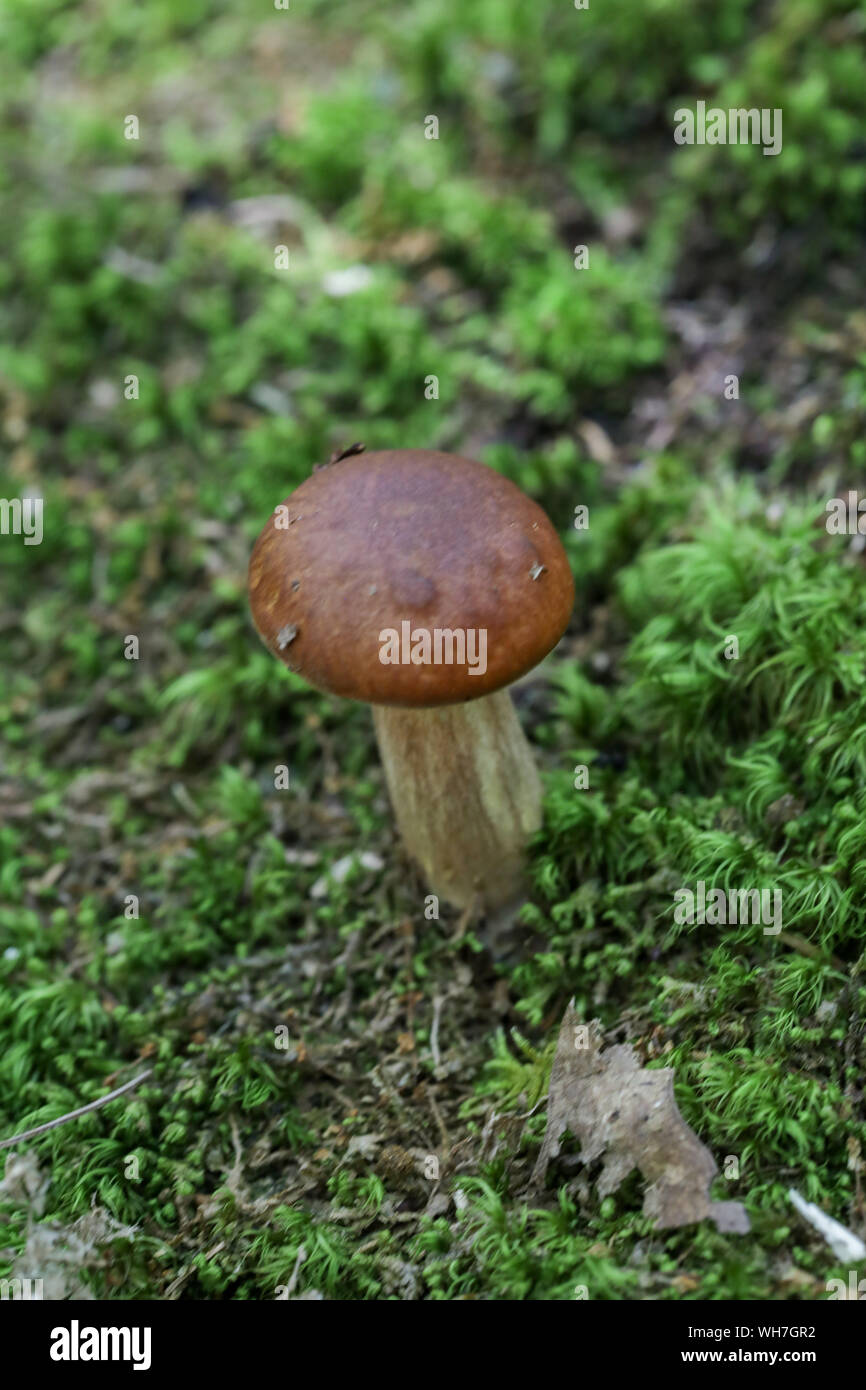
415 537
339 455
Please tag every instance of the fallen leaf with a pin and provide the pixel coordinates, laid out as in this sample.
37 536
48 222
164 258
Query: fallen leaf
55 1256
627 1113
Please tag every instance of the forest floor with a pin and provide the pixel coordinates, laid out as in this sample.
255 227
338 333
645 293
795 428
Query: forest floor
342 1098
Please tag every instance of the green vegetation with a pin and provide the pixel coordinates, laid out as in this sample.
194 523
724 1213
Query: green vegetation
313 1042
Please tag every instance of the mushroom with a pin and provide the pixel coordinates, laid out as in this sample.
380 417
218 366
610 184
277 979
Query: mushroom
424 584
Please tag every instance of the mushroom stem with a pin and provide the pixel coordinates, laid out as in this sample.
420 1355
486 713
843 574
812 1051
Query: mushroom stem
466 794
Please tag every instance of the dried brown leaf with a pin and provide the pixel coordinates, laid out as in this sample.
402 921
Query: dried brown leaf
627 1114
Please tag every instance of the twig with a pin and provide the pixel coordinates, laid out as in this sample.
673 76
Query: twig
846 1246
446 1142
299 1260
434 1031
537 1106
73 1114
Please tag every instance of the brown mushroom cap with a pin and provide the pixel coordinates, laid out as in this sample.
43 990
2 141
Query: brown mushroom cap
408 535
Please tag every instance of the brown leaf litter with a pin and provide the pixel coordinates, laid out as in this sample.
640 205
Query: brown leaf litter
628 1113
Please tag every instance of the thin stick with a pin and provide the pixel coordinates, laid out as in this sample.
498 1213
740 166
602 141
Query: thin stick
73 1114
434 1031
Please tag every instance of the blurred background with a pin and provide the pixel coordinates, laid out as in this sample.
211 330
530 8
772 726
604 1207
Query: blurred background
166 379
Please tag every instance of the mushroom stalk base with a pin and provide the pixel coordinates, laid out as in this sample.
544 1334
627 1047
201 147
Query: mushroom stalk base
466 795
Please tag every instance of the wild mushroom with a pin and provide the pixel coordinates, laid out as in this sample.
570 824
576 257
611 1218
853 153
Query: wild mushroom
424 584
